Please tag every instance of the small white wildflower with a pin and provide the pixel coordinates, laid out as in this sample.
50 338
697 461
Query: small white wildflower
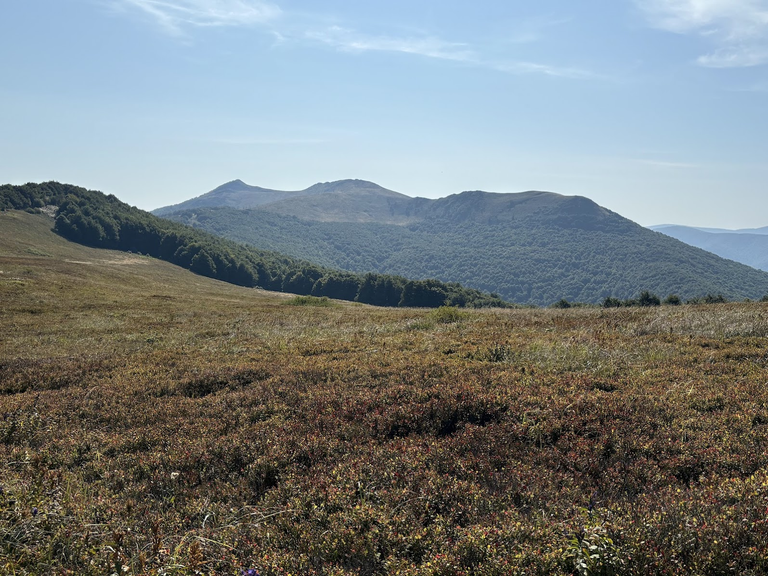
174 475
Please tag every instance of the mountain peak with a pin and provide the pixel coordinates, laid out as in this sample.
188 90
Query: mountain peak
361 199
232 186
349 186
495 207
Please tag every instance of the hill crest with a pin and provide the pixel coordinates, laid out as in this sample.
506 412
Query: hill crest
530 247
363 201
238 194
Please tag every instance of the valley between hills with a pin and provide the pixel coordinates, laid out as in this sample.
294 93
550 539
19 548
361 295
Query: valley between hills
155 421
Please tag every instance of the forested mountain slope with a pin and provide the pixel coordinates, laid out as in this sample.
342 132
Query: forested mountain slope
532 247
102 221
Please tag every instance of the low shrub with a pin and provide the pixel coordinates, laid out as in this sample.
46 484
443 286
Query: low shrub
322 301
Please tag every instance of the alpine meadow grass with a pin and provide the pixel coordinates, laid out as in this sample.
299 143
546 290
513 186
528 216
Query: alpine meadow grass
156 422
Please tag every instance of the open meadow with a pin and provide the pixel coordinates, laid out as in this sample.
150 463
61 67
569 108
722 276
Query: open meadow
157 422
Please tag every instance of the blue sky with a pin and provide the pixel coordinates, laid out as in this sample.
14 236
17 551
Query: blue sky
656 109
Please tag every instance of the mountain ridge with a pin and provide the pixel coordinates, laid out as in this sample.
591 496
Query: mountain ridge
364 201
749 248
238 194
761 231
530 247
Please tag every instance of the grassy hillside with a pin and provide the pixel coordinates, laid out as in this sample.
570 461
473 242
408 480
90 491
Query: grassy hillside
95 219
158 422
533 248
58 294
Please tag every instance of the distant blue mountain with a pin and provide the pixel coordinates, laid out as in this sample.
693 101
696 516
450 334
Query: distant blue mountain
748 245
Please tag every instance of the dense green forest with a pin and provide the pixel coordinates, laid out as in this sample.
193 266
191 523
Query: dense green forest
95 219
584 256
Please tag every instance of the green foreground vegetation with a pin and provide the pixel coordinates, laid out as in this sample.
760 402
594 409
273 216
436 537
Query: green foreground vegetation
157 422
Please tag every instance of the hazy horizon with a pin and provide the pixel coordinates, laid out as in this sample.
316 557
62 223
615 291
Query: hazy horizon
654 109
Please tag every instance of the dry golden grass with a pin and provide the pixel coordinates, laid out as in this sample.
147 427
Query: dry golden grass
156 422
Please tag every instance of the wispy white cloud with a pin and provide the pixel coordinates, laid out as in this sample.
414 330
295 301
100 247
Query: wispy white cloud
175 15
543 69
350 40
433 47
737 29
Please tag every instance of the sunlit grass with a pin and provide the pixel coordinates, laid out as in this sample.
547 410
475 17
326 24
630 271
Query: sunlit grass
153 422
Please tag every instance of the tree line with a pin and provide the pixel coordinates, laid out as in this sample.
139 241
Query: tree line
648 298
534 260
103 221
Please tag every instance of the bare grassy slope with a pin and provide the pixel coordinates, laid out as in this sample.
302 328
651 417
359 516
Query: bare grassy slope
100 300
155 422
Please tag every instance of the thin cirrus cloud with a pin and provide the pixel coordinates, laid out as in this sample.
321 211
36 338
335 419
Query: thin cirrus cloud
737 29
431 47
176 15
349 40
542 69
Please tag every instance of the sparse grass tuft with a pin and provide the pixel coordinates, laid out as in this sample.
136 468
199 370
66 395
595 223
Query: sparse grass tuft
322 301
447 315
